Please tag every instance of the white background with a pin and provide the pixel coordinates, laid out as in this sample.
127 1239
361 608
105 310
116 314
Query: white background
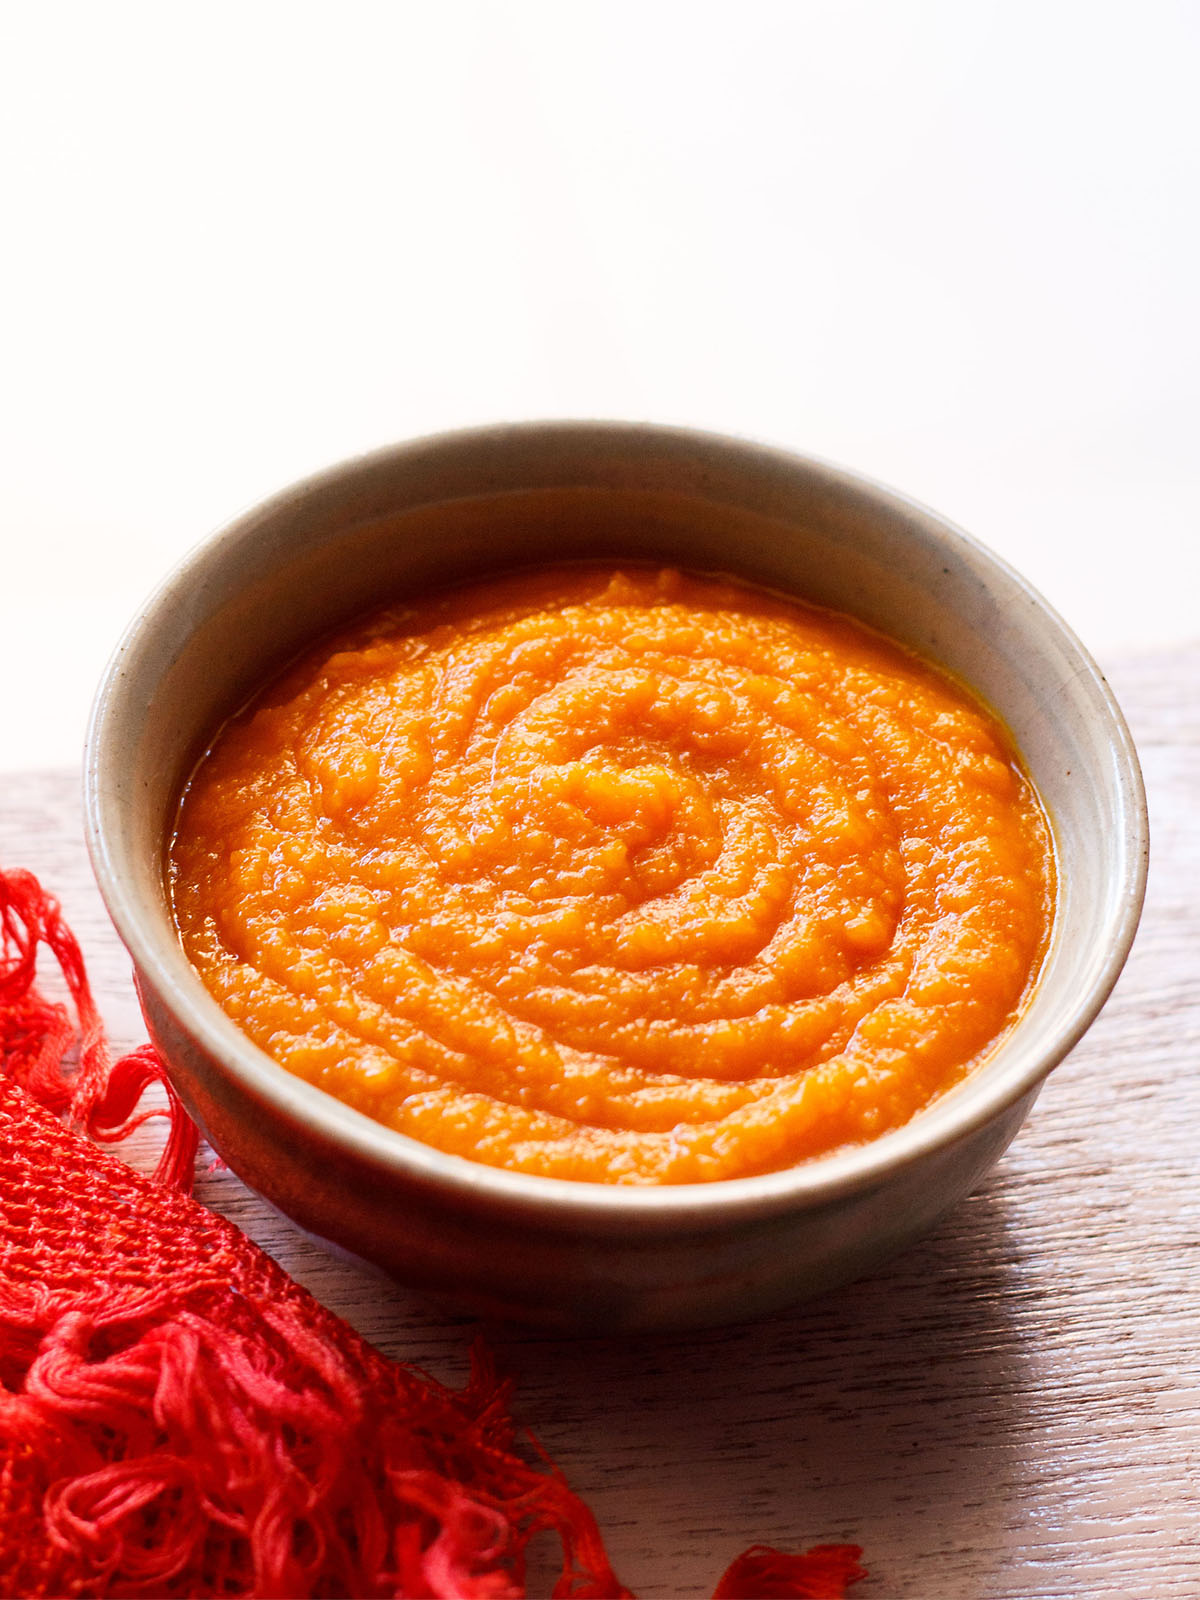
952 245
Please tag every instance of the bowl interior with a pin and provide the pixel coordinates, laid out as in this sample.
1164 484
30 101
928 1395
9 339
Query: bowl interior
461 505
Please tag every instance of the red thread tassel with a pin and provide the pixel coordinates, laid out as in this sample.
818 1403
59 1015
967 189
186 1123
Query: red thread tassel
35 1035
823 1573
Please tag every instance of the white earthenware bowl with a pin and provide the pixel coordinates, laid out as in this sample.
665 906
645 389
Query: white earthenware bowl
575 1255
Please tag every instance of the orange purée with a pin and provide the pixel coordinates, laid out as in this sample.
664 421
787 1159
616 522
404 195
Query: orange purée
622 876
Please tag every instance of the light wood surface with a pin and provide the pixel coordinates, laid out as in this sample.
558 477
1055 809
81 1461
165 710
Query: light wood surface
1010 1411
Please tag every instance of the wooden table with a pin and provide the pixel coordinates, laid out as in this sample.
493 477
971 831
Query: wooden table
1010 1411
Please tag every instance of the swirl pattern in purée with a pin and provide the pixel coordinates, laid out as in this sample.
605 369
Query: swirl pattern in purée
623 876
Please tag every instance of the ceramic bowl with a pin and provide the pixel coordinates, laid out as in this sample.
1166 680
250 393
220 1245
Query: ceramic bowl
557 1253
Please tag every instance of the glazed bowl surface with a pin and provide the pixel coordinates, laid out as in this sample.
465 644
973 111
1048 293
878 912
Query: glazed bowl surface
571 1255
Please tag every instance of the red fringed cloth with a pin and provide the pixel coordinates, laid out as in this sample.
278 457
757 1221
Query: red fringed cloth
179 1418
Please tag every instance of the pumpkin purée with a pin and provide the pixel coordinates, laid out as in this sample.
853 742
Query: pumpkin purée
626 876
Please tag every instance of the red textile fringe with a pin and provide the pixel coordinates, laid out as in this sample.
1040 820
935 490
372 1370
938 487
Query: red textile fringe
822 1573
178 1417
35 1036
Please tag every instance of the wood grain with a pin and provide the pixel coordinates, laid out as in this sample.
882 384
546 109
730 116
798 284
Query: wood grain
1010 1411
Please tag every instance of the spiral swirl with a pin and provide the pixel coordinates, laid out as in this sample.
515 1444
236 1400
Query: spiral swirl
623 876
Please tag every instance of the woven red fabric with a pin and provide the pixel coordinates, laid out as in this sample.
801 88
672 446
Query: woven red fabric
178 1417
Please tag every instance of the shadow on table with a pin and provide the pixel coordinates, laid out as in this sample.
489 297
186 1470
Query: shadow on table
888 1414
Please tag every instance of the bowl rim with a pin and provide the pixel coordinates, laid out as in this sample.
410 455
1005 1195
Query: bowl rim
990 1089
